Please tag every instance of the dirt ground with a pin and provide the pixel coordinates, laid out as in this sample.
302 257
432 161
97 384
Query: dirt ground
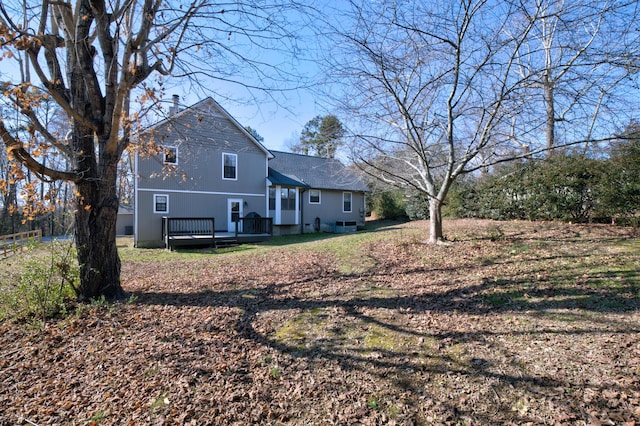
509 323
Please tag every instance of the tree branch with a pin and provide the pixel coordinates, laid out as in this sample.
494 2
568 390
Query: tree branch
16 149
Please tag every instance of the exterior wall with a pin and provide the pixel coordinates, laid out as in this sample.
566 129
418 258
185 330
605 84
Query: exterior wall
330 210
124 223
185 204
287 217
279 230
194 185
201 139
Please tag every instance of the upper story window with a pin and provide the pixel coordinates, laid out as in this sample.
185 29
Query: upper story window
346 202
229 166
160 203
170 155
314 196
287 199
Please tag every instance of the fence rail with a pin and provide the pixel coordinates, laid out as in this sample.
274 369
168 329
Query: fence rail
254 225
11 243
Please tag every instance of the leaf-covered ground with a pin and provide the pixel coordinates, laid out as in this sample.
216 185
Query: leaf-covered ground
511 323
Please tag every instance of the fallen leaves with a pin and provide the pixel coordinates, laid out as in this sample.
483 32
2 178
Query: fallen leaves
527 329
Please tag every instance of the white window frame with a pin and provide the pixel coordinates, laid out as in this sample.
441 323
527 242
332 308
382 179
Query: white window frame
319 196
164 155
350 202
269 198
155 203
224 155
287 204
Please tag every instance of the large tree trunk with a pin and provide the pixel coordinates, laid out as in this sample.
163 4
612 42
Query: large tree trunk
435 221
96 163
95 227
96 214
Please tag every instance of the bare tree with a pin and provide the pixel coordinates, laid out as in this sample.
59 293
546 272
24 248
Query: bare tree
437 90
90 57
8 188
577 63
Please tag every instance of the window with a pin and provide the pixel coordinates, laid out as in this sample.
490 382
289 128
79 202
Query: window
170 155
230 166
160 203
314 196
346 202
272 198
292 198
287 199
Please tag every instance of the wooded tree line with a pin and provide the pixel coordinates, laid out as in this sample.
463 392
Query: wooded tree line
568 186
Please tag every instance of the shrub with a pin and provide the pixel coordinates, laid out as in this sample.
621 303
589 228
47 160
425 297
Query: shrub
388 204
43 285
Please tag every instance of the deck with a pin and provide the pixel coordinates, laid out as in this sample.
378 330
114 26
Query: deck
230 238
189 231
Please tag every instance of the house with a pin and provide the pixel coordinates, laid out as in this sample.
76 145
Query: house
210 166
330 197
124 221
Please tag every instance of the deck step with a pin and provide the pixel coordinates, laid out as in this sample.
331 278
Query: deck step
222 243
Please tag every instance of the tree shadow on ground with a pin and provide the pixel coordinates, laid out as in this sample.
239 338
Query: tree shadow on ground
403 353
394 334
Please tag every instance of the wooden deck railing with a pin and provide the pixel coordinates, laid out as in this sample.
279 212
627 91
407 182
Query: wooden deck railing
187 231
254 225
11 243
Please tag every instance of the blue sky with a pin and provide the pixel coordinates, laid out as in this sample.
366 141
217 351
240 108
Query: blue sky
278 116
276 122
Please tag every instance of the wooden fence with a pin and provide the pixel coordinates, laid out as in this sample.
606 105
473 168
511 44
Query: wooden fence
11 243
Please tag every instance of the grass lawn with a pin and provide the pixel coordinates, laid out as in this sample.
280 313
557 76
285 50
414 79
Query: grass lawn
510 323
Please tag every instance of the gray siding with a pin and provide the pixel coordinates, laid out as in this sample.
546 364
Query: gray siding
201 139
195 185
287 217
330 210
181 204
124 223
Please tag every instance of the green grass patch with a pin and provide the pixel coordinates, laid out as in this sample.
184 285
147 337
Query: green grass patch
323 328
377 337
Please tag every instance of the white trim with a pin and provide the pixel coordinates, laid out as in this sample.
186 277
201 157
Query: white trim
155 204
278 218
350 201
267 185
297 209
181 191
135 199
231 227
319 196
236 167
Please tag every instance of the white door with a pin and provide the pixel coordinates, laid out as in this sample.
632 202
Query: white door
234 212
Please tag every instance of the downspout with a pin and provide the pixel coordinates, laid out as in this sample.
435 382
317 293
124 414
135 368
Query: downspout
136 205
302 191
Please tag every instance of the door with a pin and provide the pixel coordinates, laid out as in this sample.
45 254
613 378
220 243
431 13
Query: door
234 213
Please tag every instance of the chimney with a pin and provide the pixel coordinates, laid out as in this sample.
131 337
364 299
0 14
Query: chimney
175 106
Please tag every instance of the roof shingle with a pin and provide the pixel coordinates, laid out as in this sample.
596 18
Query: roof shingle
315 172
